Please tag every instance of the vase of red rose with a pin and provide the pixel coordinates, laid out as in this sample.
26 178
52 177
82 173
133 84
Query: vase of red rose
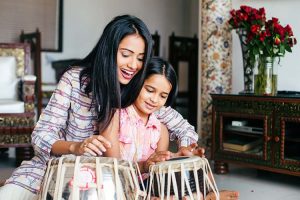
261 41
244 21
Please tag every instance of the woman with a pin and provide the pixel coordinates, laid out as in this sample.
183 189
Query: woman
84 103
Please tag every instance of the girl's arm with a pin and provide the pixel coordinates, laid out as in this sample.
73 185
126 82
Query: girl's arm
111 133
178 127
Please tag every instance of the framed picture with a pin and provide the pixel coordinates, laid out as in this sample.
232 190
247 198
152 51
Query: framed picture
28 16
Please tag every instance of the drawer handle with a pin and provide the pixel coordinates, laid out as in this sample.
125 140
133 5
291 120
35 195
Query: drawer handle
267 138
276 139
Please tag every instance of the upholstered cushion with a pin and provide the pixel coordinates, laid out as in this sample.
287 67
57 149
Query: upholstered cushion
11 106
8 78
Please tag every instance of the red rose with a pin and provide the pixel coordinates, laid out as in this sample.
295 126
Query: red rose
275 20
277 41
262 36
249 38
290 42
243 17
288 29
257 16
262 11
281 31
255 29
268 33
247 9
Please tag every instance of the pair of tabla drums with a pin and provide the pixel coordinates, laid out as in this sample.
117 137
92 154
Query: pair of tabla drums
90 178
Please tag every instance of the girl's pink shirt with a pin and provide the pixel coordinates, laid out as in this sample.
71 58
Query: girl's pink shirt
137 140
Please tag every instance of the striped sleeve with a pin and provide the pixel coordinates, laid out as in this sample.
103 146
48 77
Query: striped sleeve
178 127
53 118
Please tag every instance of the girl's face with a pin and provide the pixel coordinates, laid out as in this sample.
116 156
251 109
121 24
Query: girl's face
130 57
153 95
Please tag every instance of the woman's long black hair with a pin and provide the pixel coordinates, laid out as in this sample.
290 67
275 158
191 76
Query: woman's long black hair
156 65
100 65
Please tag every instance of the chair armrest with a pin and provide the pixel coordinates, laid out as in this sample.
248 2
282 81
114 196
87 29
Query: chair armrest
29 92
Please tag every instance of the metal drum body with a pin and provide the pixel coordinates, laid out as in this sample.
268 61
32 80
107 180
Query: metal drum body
89 178
181 177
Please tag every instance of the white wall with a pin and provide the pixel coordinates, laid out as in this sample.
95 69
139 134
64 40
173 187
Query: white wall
288 13
84 21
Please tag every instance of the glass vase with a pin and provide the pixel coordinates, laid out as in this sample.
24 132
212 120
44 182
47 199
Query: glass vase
265 77
247 66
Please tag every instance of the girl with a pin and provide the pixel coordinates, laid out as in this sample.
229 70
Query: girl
136 134
84 103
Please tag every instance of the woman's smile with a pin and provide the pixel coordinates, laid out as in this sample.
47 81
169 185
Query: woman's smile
130 57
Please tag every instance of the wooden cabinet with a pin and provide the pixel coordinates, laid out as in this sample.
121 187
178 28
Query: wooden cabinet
256 131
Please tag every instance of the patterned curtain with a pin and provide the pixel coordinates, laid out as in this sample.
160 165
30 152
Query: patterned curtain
215 57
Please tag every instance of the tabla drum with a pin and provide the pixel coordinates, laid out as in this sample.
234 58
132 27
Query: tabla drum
89 178
188 177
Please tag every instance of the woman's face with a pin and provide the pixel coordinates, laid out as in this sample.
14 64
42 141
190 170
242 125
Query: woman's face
130 57
153 95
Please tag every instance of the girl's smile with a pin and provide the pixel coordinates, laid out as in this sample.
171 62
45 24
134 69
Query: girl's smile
153 95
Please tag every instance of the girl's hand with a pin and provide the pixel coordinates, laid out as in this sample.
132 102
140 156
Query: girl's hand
94 145
156 157
191 150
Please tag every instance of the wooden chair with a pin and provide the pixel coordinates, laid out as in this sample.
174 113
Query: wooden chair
156 46
17 116
184 50
34 40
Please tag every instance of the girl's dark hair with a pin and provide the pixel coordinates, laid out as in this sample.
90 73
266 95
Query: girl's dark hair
100 65
156 65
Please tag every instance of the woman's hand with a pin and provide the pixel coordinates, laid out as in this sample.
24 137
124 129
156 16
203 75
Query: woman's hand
94 145
191 150
154 158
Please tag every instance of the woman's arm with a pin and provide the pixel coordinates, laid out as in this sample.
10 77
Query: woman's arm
178 127
53 118
163 143
111 133
49 135
93 145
